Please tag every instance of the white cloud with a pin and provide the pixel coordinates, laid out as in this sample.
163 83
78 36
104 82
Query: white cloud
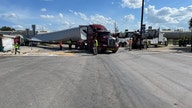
68 24
48 0
18 27
61 15
167 16
10 15
131 3
43 9
47 16
129 17
101 19
82 15
71 11
92 19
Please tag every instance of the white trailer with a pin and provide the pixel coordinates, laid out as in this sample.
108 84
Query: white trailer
155 39
6 42
75 34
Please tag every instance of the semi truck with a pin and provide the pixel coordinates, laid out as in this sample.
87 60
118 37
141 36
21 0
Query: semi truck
82 37
150 37
154 37
104 37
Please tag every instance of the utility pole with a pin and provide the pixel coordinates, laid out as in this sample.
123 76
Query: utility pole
34 33
190 27
115 27
191 39
142 11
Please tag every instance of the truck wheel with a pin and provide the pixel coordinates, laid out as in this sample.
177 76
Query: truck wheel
123 45
166 43
76 46
102 51
179 45
120 44
114 51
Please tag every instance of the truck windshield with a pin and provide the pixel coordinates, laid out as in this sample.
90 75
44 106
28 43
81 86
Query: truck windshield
102 34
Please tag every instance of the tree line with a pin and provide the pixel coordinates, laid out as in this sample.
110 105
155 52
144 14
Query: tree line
5 28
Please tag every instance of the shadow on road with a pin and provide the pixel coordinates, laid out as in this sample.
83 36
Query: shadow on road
181 49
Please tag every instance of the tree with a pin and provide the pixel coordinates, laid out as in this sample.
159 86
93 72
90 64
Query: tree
190 27
5 28
190 23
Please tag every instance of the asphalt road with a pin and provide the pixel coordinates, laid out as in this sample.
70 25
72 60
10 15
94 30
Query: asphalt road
127 79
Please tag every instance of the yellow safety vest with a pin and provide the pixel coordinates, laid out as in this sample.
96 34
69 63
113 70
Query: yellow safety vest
96 43
69 42
16 46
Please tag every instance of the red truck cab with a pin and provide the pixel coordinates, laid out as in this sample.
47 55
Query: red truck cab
105 40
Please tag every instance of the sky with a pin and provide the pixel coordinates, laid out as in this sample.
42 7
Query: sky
54 15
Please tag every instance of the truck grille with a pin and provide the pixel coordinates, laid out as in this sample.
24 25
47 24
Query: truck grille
111 42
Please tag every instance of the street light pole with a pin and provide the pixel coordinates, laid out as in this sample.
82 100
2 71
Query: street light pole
142 11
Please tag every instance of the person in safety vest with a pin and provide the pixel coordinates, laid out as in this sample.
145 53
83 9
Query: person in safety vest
16 48
70 43
95 45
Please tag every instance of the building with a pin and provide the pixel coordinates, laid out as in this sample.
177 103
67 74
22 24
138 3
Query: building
25 33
